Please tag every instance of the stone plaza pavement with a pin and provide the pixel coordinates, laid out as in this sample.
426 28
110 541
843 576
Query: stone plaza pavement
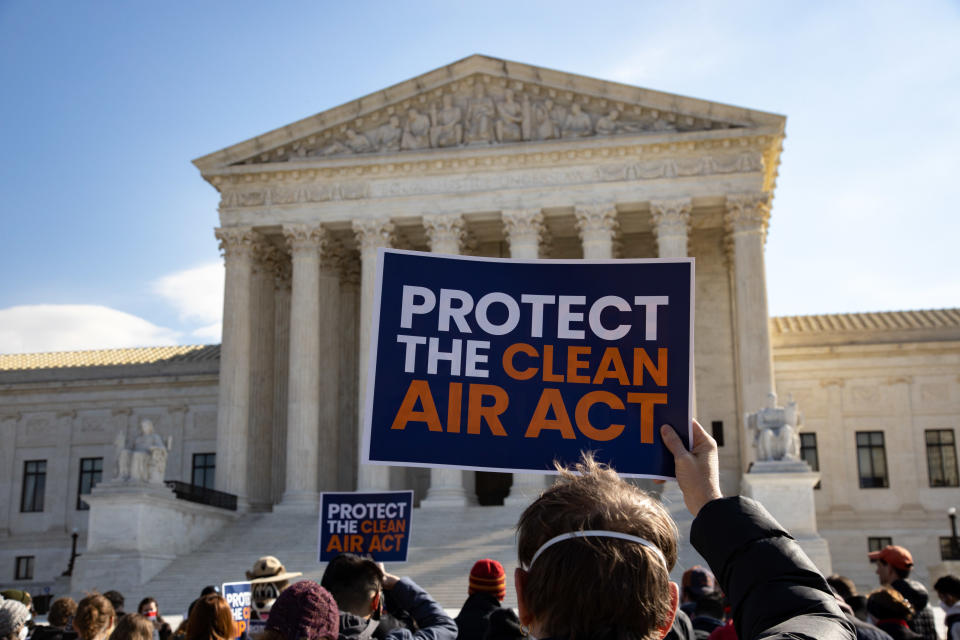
444 544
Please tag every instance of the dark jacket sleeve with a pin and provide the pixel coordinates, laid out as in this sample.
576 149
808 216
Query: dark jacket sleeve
774 589
432 622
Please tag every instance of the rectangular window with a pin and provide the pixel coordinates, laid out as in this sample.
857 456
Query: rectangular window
872 460
875 544
91 471
949 548
717 427
204 470
808 452
942 458
24 568
34 484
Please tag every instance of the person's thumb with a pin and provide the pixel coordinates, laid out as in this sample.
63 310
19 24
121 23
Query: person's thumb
672 440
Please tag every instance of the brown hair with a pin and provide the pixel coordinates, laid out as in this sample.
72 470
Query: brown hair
133 626
61 611
210 619
581 586
93 615
887 602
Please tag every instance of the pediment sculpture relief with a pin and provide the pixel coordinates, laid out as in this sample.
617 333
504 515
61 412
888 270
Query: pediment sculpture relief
485 113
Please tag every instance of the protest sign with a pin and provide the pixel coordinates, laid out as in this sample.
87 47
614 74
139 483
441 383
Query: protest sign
238 596
374 524
508 365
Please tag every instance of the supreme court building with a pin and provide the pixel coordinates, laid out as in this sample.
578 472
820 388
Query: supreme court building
488 157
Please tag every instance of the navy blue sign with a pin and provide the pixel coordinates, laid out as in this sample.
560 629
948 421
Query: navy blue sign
239 596
509 365
374 524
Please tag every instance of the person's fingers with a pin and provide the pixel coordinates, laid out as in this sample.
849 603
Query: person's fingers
701 439
673 441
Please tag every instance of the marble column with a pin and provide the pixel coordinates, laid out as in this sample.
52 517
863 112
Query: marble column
446 234
301 491
671 224
233 407
597 224
349 372
746 225
371 235
259 447
525 231
282 283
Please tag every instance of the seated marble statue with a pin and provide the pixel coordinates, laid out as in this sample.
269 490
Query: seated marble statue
776 428
147 460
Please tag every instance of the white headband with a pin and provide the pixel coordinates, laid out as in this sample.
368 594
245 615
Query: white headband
599 534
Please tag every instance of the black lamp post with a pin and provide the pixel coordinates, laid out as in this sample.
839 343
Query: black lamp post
74 555
954 542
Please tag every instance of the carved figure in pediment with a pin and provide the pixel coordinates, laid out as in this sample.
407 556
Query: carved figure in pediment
416 133
577 124
509 125
608 125
480 114
387 136
544 126
447 130
357 142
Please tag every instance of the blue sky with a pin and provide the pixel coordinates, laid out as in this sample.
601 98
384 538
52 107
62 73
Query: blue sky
107 226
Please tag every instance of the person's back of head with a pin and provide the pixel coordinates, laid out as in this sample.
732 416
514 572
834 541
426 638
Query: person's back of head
948 587
303 611
613 575
13 619
487 576
61 612
133 626
842 586
210 619
94 617
116 599
354 582
887 604
710 605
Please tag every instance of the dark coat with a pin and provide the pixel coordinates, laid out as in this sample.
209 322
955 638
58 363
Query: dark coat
405 599
474 617
775 590
898 631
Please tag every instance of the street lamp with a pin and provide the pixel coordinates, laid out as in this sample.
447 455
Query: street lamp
74 555
954 542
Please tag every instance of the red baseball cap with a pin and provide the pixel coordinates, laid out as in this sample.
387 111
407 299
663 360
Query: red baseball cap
896 557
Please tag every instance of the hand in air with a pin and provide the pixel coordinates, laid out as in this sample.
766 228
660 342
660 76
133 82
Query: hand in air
697 469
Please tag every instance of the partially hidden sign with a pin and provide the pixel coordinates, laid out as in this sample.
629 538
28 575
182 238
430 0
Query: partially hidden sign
370 524
508 365
239 597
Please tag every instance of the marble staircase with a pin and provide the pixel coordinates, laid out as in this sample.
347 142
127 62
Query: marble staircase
444 544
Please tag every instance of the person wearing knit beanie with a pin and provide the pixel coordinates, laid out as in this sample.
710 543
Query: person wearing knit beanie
13 620
486 588
305 611
487 576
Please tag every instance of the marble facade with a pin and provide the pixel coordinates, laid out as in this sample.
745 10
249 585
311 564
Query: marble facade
493 158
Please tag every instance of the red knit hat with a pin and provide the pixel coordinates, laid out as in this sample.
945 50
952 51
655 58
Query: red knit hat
487 577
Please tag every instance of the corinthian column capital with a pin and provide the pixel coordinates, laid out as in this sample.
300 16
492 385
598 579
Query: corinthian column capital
302 238
445 232
671 217
594 218
523 223
373 233
747 212
237 241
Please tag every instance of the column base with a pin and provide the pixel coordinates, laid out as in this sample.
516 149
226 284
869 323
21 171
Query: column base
298 503
444 499
526 488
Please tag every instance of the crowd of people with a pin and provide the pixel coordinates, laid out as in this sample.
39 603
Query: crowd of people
595 555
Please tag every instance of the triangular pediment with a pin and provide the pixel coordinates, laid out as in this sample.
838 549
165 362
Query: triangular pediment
481 101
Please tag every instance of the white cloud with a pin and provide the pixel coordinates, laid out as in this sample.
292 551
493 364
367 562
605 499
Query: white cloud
69 327
196 294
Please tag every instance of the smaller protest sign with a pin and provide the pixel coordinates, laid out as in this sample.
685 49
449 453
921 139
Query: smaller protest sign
374 524
238 596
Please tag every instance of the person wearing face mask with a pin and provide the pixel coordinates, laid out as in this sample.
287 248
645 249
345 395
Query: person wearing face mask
948 590
95 618
148 609
13 620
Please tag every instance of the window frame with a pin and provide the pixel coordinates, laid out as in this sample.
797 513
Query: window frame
23 567
805 449
84 473
876 451
876 543
940 447
209 471
34 482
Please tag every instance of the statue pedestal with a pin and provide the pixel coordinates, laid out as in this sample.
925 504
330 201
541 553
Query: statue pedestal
135 530
785 488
